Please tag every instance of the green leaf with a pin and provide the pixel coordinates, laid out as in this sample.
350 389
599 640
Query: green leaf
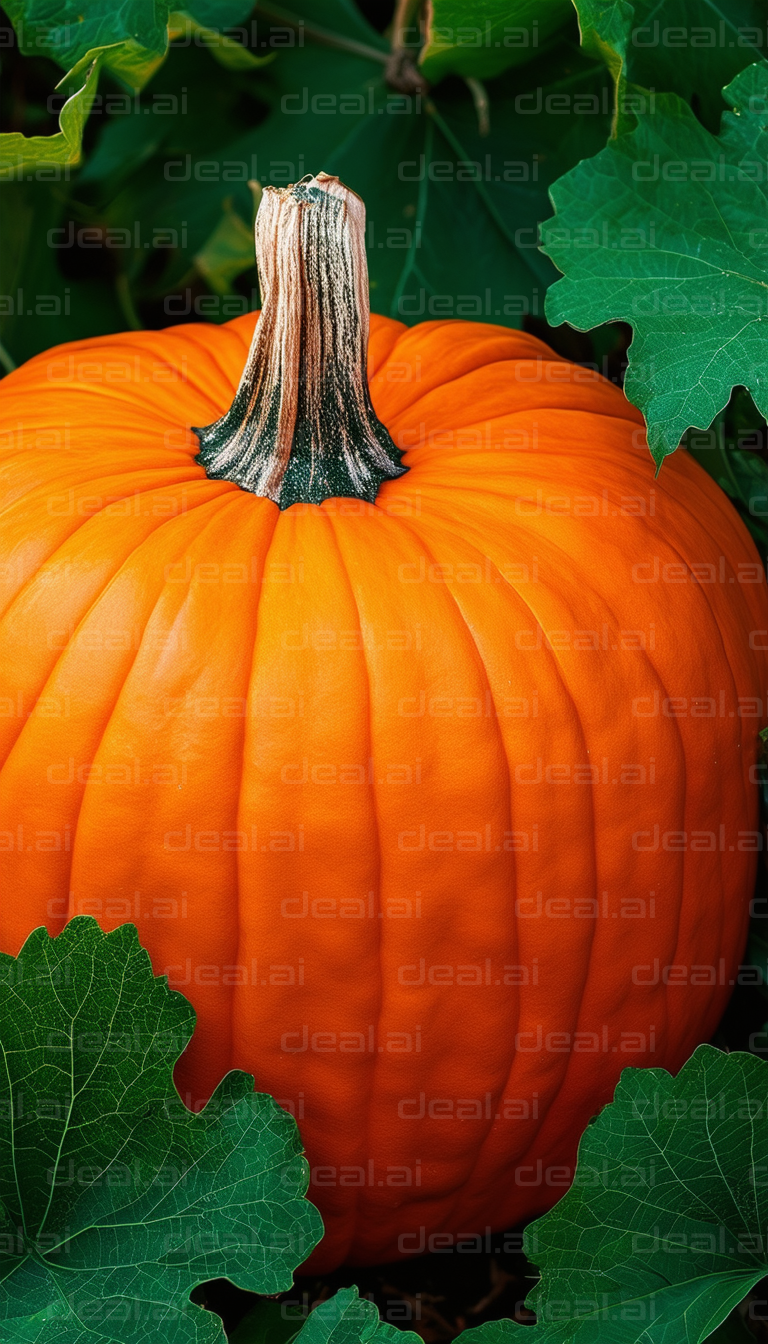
19 152
662 1233
605 32
665 229
497 1332
115 1201
487 37
605 29
229 52
220 13
133 34
689 47
347 1318
227 252
128 40
428 178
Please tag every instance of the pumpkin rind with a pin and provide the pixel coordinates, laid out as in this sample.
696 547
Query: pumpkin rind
422 713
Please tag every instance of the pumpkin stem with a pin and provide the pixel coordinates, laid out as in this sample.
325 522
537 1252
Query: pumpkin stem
301 428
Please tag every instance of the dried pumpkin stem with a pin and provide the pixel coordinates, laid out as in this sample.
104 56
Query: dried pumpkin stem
301 428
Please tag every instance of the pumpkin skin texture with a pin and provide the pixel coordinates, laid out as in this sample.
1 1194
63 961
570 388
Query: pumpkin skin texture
416 801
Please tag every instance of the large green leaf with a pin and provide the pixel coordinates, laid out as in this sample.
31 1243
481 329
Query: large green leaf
129 40
663 1231
606 32
114 1199
132 33
429 179
666 229
51 289
347 1318
496 1332
486 37
230 52
21 154
689 47
227 253
220 13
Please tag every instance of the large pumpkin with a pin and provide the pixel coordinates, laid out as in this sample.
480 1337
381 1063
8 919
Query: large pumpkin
440 809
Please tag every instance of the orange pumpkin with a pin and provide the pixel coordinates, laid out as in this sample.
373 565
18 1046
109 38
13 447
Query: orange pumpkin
440 809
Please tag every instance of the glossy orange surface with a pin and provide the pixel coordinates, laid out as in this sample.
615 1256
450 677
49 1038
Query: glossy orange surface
417 802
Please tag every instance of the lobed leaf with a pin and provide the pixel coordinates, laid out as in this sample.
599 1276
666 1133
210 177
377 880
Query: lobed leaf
128 39
430 181
347 1318
115 1201
19 152
665 229
487 37
663 1231
689 47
